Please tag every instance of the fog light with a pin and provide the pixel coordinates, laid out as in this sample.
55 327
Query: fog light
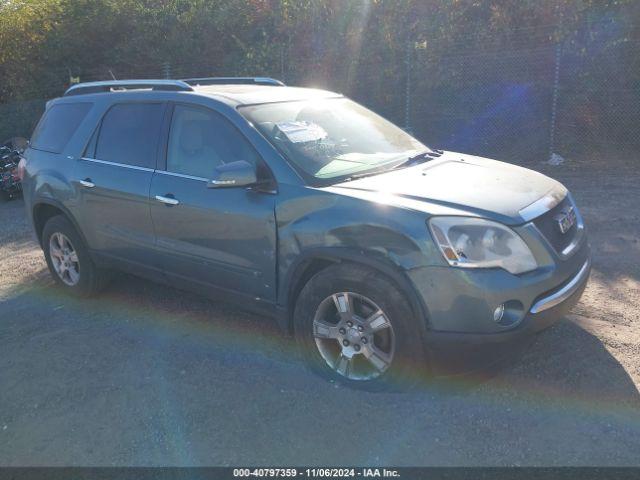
509 314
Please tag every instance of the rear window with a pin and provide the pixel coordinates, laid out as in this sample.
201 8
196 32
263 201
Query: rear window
129 134
58 125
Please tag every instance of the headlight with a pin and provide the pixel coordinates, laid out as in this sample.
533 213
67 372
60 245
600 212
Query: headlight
478 243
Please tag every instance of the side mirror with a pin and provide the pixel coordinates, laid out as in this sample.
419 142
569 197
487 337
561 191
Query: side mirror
234 174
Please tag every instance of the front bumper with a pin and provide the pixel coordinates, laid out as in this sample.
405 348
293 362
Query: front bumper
453 353
462 335
463 301
544 313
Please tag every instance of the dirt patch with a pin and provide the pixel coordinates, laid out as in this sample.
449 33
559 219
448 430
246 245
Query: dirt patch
148 375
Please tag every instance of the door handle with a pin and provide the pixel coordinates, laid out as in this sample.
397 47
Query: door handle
167 200
87 183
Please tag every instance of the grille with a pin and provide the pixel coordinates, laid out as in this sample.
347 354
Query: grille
548 226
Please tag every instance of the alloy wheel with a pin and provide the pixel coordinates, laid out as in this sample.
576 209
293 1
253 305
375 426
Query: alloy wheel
354 336
64 259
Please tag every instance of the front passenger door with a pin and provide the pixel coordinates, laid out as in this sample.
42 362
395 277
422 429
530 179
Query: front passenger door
216 239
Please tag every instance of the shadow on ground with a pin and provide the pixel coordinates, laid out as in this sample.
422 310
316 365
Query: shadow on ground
149 375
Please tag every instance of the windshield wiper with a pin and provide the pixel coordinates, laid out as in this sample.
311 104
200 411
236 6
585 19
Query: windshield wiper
419 158
413 160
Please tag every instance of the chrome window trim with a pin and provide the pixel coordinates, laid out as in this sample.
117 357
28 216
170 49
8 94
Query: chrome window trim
115 164
182 175
564 293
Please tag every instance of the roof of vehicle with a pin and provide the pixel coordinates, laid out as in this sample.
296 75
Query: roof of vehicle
255 94
231 90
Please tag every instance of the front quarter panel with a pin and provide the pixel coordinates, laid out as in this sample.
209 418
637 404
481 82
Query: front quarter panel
319 222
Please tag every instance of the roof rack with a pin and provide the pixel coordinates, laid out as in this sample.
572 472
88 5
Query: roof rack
233 81
119 85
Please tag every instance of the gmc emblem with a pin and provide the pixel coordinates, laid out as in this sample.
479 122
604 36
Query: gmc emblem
565 219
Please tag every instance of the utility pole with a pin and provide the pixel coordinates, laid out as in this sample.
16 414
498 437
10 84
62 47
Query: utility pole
282 47
166 70
556 85
407 97
554 101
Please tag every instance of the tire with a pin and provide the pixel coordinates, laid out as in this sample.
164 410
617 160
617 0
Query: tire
88 279
391 353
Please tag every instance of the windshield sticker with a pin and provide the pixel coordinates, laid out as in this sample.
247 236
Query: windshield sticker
301 132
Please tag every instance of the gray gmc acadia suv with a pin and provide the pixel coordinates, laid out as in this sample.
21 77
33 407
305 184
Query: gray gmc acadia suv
382 256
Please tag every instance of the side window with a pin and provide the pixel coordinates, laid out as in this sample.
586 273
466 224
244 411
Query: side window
90 151
129 134
58 125
200 140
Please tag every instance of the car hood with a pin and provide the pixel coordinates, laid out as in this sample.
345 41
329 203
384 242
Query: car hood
458 184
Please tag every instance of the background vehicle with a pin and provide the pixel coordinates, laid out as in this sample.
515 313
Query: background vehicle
377 252
10 185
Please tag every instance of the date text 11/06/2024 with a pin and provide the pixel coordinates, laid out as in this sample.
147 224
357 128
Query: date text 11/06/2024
317 472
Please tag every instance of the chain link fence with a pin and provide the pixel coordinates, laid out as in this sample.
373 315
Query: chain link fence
519 101
491 103
535 100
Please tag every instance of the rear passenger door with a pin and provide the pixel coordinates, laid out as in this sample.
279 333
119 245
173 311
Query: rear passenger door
114 177
212 239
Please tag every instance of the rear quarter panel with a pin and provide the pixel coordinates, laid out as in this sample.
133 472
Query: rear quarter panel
48 176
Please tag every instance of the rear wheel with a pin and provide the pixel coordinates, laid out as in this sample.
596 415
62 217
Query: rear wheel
64 259
68 258
354 326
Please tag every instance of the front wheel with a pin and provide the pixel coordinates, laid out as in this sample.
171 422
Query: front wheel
354 326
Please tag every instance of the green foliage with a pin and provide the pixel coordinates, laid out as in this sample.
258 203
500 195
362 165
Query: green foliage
359 47
43 42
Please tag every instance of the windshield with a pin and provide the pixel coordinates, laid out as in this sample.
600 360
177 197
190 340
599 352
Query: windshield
332 138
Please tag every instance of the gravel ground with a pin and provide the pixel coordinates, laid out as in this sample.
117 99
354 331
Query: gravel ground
148 375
